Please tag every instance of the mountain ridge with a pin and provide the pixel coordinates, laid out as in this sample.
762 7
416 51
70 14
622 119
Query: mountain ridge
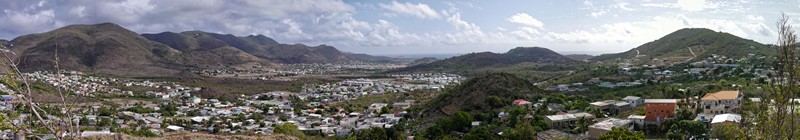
692 43
490 59
107 48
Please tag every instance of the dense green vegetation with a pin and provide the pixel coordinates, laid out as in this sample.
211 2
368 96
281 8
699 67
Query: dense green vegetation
622 134
473 94
289 129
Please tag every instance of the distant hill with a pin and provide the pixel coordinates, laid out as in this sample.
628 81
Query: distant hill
488 59
103 48
110 49
473 94
702 42
208 53
424 60
262 47
579 57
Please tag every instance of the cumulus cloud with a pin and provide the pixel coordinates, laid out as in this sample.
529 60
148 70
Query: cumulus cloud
686 5
418 10
597 13
525 19
691 5
635 33
334 22
467 32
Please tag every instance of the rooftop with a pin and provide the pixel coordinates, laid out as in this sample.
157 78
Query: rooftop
558 134
726 118
603 103
656 101
631 98
722 95
570 116
610 123
640 117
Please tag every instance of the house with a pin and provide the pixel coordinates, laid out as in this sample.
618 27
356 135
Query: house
606 85
561 121
658 110
475 123
726 101
563 88
8 99
174 128
603 127
502 115
611 106
92 119
698 71
603 105
637 119
554 134
633 101
402 105
725 118
594 81
556 107
200 119
95 133
620 106
376 107
521 102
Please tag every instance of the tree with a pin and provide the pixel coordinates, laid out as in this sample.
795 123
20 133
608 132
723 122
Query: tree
727 131
461 121
684 114
289 129
495 101
480 133
622 134
523 131
385 110
687 129
775 117
374 133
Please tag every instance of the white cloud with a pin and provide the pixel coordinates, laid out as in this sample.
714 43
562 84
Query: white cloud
623 6
418 10
467 32
525 19
27 21
690 5
598 13
694 5
635 33
659 5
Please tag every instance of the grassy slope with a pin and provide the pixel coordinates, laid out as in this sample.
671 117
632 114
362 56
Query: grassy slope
701 40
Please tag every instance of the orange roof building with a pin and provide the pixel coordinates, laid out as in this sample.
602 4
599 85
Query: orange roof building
726 101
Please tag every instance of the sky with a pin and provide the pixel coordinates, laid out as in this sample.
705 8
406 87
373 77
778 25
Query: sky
416 26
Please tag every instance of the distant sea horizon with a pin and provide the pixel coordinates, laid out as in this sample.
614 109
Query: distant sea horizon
434 55
448 55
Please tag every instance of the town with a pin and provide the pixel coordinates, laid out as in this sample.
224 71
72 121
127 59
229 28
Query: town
169 107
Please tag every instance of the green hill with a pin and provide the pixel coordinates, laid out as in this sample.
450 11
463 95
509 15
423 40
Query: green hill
702 42
486 92
474 61
103 48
